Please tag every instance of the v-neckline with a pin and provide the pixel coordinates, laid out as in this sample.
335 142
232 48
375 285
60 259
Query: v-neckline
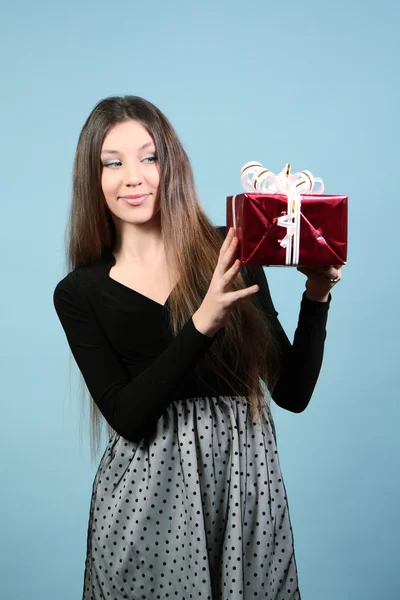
110 263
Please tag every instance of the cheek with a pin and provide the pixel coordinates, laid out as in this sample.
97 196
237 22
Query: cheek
154 177
108 183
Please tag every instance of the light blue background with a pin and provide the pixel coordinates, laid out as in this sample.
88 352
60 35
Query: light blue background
311 83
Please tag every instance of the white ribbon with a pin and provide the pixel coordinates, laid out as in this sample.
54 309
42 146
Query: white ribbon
257 179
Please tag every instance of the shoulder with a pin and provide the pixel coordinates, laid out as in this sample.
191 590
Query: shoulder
67 296
74 285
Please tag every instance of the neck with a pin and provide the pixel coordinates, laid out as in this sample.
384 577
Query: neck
139 243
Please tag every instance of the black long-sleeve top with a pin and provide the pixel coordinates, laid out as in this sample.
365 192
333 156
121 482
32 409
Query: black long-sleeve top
134 367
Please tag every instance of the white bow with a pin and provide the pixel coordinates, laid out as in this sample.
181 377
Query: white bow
257 179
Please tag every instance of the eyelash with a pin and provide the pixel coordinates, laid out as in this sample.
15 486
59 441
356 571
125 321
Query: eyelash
111 164
152 158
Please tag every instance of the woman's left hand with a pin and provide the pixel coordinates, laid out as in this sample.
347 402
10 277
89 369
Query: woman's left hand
320 281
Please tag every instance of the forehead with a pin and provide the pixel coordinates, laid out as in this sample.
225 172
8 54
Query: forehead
129 135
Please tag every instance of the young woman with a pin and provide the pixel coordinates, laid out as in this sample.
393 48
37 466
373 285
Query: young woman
180 349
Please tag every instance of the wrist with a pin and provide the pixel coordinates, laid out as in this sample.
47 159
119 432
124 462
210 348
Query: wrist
203 327
317 297
315 293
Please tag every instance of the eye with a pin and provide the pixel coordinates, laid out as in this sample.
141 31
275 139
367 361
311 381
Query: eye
112 163
150 158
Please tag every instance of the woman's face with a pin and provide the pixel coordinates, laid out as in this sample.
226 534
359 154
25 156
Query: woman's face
130 173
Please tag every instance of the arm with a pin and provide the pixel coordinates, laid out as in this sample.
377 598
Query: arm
300 362
129 404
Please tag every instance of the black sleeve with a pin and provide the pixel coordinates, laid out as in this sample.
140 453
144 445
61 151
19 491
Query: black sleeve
300 362
128 404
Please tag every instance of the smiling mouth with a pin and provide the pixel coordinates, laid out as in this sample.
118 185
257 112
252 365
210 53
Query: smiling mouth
134 200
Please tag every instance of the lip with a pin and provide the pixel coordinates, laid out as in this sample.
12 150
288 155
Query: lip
134 200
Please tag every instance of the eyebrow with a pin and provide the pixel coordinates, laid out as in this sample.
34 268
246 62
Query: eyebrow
146 145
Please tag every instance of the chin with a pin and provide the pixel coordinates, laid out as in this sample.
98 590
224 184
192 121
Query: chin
136 216
143 219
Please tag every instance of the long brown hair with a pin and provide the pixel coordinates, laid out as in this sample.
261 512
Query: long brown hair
243 353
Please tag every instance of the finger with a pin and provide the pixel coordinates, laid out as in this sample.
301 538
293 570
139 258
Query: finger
320 272
332 273
317 270
233 297
226 260
227 241
230 275
310 273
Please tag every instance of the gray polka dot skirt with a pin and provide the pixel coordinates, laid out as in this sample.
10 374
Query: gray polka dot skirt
196 510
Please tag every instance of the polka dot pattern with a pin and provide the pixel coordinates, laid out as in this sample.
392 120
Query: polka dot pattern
196 510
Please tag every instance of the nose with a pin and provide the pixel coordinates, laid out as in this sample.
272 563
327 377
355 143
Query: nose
132 175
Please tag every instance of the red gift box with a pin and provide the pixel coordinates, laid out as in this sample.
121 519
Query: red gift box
322 233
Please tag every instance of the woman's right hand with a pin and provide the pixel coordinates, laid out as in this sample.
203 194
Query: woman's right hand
214 311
